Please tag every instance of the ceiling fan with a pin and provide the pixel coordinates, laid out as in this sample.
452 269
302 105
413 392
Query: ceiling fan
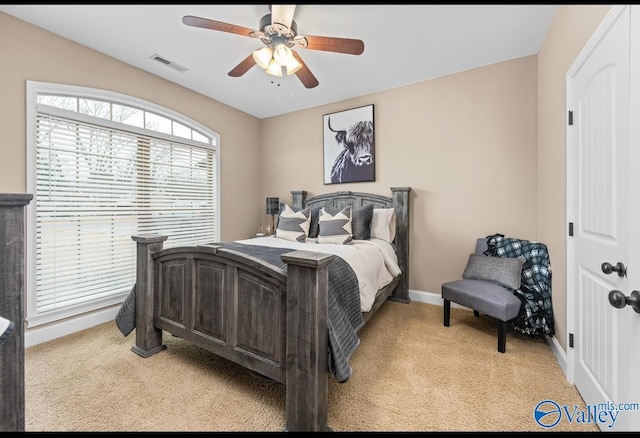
279 33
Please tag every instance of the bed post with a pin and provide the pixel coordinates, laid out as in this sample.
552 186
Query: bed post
307 340
401 205
298 197
148 338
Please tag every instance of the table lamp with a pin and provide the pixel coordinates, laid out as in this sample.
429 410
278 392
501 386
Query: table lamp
273 208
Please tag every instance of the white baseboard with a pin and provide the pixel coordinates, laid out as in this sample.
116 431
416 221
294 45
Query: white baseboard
425 297
559 353
44 333
431 298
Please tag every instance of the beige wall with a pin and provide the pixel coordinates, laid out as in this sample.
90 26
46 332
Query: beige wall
483 150
570 30
31 53
479 148
465 143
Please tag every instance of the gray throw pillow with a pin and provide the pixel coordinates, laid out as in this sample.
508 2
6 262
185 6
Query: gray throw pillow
361 222
506 271
315 215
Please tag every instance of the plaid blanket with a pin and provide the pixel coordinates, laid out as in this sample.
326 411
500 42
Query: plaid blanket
536 313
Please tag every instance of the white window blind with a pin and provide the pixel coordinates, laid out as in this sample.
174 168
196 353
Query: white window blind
99 182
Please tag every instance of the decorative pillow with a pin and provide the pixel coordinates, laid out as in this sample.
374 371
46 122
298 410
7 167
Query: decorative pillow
361 222
293 225
335 226
315 215
506 271
383 224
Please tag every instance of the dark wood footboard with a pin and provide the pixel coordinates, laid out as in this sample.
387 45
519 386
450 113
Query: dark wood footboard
239 307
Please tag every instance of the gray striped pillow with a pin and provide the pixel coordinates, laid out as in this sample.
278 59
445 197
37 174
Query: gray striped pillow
293 225
335 226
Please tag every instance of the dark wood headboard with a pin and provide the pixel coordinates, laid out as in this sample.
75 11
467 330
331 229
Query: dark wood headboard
399 201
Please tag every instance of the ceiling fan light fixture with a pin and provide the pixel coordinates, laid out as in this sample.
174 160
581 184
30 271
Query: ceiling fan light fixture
293 66
274 69
262 57
279 33
282 54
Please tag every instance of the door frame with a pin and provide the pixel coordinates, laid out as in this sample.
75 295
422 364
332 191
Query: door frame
582 57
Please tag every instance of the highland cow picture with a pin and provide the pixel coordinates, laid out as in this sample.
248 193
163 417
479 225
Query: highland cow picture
349 147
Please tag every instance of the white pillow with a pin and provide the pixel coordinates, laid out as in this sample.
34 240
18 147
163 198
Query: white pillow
293 225
383 224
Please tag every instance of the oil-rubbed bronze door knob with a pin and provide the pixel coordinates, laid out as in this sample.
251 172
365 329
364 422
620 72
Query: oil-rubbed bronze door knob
620 268
618 300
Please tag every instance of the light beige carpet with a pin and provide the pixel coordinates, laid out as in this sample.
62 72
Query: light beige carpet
410 373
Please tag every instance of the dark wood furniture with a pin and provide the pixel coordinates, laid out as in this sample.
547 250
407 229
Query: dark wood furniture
11 308
270 321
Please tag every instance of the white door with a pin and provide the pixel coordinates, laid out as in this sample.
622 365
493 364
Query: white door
603 194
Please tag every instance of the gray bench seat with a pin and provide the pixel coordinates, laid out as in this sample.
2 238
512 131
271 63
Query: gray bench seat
483 296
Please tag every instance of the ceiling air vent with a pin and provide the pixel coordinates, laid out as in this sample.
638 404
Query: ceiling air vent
168 63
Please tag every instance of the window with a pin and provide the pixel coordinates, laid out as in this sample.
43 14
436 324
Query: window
104 167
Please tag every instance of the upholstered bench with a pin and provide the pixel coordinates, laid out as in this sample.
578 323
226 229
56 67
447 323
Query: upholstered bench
482 289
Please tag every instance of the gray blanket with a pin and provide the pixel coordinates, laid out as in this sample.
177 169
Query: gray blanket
345 316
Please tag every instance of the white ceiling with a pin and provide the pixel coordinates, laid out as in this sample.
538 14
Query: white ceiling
404 44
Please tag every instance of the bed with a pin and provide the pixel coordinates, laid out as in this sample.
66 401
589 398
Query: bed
267 306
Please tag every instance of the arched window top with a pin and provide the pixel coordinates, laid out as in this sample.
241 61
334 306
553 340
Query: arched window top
119 108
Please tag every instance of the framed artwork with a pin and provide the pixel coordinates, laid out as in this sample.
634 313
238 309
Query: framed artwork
349 147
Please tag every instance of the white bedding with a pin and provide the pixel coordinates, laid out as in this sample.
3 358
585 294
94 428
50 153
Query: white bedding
374 261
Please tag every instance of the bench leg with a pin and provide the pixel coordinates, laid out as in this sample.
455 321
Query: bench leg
447 312
502 335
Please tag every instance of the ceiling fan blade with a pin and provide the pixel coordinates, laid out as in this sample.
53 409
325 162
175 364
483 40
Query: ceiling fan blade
304 74
243 67
205 23
282 14
331 44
